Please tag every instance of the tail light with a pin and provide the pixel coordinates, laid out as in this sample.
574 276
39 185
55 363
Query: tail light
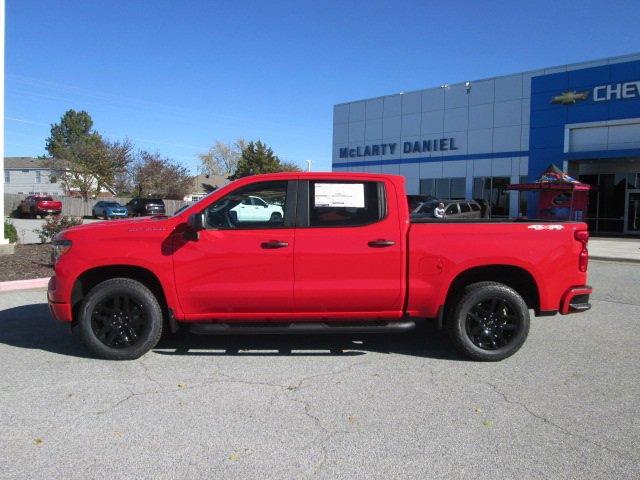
583 259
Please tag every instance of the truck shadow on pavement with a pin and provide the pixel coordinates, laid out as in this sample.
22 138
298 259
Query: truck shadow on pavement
31 327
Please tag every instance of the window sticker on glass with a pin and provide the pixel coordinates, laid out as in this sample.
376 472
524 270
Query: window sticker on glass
339 195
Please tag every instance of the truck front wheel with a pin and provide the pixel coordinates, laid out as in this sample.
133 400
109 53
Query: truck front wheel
120 319
489 322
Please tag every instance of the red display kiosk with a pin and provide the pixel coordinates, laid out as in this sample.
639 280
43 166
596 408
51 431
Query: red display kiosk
559 197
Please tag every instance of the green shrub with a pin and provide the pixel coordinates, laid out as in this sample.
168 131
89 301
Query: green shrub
54 225
10 232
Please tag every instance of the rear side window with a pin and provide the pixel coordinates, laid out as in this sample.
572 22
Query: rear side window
451 209
464 208
338 204
475 207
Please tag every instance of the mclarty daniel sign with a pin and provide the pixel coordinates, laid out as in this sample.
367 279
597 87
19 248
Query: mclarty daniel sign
433 145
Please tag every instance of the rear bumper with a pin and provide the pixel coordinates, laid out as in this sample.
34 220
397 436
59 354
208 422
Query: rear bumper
576 300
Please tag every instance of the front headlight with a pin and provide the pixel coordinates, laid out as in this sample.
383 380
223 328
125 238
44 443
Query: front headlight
60 247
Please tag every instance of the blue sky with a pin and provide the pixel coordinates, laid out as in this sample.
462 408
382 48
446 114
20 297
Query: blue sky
174 76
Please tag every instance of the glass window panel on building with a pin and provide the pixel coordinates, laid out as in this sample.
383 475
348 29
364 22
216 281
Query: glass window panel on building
427 187
499 197
522 198
442 188
457 188
478 185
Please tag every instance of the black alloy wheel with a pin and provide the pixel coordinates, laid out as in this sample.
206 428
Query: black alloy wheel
120 319
489 321
492 324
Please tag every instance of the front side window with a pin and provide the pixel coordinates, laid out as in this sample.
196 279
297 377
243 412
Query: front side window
465 208
237 211
338 204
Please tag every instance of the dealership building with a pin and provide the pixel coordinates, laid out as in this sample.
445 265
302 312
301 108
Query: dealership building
472 139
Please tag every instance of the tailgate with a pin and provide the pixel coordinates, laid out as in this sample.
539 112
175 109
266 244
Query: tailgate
49 205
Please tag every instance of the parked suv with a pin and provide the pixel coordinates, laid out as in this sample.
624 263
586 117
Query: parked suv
452 209
107 210
140 207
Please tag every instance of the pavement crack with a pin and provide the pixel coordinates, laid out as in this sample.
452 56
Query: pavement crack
551 423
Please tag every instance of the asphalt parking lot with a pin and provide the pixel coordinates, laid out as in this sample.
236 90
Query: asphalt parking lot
566 406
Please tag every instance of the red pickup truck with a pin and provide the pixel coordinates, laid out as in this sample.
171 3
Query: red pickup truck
344 256
35 205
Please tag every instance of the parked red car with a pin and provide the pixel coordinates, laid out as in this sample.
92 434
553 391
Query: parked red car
344 257
35 205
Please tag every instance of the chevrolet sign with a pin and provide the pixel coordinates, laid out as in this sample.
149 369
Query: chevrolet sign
616 91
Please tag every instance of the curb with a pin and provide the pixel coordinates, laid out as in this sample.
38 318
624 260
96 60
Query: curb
24 284
614 259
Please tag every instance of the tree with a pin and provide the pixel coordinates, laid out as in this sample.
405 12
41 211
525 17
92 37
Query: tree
84 160
157 176
222 159
289 167
73 127
258 158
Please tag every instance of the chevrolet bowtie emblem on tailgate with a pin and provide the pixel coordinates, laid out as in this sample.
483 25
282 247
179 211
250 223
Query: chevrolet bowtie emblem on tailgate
570 97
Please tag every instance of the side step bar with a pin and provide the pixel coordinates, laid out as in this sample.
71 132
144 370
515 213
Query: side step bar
300 327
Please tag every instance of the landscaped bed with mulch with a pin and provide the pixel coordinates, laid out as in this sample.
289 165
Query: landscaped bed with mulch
28 261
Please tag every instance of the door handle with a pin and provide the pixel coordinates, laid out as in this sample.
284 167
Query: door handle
381 243
274 244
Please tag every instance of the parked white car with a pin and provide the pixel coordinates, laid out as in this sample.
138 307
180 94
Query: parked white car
255 209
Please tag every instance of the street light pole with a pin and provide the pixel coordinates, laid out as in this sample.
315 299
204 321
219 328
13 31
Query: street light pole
3 241
309 162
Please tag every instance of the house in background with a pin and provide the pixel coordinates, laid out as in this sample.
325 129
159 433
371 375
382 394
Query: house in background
203 185
31 176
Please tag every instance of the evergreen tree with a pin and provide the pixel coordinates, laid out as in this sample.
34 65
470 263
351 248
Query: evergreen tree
74 127
257 158
84 160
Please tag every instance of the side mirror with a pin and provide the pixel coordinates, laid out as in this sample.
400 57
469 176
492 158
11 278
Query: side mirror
196 223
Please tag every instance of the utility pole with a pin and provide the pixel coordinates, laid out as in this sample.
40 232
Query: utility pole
3 242
309 162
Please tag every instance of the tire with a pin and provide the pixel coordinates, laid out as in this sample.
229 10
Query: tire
489 322
120 319
276 217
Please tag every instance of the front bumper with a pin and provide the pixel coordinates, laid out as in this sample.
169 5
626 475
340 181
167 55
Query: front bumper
117 214
61 311
576 300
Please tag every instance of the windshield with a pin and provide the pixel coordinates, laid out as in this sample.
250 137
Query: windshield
427 207
112 204
189 205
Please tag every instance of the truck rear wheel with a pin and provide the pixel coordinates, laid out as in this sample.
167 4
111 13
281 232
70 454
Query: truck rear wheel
120 319
489 322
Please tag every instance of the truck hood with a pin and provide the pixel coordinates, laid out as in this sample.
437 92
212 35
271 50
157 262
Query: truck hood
121 227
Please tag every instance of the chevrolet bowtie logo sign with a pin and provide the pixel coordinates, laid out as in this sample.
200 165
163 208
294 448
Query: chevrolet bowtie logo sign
568 98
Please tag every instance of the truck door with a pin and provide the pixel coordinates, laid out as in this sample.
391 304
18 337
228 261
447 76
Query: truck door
239 265
349 254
